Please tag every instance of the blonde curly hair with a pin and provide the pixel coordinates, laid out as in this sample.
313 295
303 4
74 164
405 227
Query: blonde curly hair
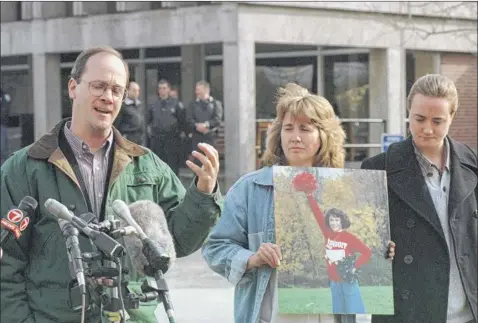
298 101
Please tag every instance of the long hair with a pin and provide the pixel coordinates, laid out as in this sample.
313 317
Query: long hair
298 101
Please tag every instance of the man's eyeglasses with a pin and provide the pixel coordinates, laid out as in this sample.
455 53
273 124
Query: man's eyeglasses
98 88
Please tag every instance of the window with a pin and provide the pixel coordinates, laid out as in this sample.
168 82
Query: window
271 73
65 98
346 86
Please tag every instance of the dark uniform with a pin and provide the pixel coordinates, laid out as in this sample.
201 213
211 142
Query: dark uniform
5 101
130 121
209 112
167 119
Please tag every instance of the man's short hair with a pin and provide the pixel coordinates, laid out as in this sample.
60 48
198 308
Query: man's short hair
204 84
131 83
163 82
79 67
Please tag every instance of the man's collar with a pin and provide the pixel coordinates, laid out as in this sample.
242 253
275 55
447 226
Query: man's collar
76 141
44 147
209 99
130 101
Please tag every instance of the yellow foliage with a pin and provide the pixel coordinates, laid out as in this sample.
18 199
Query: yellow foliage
297 232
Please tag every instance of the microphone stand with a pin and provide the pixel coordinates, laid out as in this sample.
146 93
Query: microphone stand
158 288
115 309
158 264
163 290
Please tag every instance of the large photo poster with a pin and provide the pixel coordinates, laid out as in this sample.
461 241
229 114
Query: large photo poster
332 226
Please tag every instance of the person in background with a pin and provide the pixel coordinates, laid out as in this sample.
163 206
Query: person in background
130 120
5 102
241 247
432 195
86 164
167 120
204 115
174 93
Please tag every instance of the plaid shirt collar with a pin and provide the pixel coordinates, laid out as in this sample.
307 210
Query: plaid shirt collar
426 165
79 145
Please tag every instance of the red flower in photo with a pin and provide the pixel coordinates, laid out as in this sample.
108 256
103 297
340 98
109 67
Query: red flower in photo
305 182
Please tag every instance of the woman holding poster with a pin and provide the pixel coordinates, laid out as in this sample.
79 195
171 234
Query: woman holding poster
340 249
242 246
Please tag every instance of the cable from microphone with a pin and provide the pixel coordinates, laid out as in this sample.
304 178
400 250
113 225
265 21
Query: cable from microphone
17 220
155 254
109 246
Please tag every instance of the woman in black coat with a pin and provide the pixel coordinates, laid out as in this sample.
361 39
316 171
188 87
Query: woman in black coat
432 190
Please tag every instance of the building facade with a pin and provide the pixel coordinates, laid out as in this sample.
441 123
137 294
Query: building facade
363 57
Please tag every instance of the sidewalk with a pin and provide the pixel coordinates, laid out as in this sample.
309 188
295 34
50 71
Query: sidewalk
198 294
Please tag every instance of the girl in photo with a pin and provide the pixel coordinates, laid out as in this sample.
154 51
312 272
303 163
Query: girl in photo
340 247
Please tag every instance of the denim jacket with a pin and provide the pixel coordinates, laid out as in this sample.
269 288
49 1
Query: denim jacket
246 222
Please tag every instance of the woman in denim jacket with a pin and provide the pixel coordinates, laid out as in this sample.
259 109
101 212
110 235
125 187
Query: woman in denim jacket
241 247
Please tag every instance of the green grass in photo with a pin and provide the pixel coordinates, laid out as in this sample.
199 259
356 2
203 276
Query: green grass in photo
377 300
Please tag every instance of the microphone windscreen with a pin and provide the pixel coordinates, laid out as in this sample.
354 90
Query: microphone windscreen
150 217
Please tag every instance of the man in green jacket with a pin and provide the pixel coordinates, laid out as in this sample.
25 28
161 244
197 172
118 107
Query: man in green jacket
86 164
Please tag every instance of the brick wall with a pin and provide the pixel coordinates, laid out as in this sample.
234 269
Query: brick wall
462 69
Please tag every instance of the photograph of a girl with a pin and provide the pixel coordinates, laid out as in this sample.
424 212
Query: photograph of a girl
340 247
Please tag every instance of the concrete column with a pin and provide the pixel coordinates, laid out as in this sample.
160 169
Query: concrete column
140 75
426 63
26 7
193 69
120 6
140 78
46 87
240 109
387 88
78 8
320 72
37 10
436 58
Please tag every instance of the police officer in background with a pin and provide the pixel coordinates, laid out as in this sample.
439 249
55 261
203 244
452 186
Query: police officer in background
130 120
204 115
167 119
5 101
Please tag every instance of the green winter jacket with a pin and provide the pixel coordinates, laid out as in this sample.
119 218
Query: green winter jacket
34 268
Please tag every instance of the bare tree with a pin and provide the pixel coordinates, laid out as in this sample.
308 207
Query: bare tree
457 19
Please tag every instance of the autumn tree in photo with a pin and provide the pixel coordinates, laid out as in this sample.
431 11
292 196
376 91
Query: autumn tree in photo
302 243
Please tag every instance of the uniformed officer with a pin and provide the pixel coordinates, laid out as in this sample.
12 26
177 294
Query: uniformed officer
5 101
167 119
204 115
130 120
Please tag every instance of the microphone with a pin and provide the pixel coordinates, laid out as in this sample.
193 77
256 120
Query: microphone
74 252
17 219
105 243
157 254
154 250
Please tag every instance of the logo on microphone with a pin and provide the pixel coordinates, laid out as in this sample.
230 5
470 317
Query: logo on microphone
15 215
11 227
24 223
